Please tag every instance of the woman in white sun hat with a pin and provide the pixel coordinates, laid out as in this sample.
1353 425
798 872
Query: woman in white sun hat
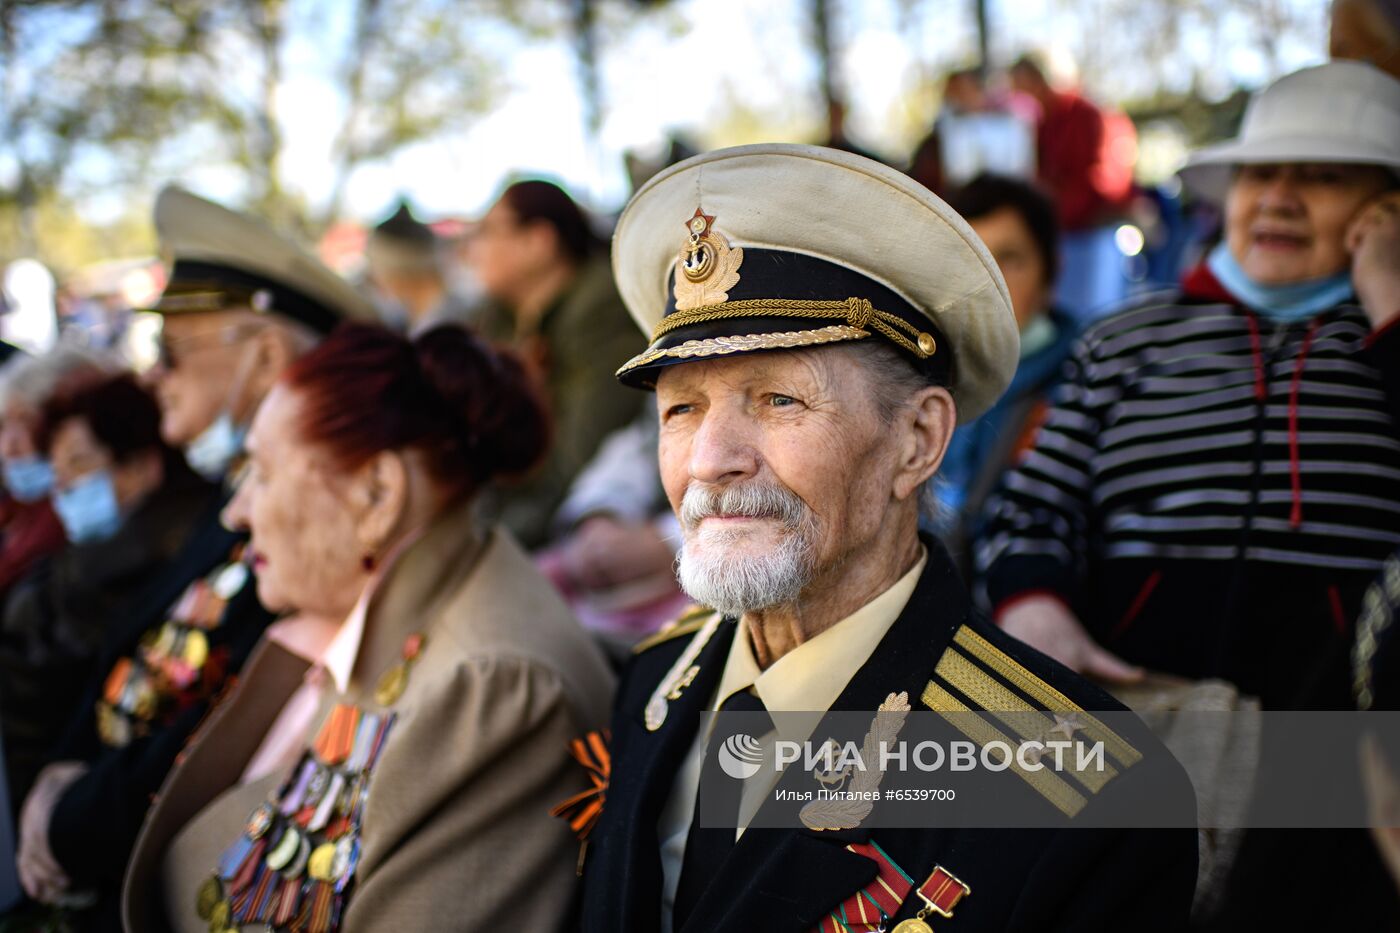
1219 478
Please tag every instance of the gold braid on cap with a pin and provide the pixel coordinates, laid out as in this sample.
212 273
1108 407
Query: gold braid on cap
1377 615
742 343
858 313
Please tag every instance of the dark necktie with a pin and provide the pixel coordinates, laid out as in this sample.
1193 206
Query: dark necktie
706 848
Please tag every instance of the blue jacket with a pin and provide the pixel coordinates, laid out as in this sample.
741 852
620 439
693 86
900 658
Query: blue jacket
982 445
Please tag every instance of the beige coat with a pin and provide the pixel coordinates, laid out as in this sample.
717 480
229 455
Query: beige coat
456 832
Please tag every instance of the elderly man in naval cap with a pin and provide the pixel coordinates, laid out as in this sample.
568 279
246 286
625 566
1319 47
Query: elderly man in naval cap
819 325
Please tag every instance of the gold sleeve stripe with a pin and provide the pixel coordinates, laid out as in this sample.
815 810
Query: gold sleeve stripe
981 688
1045 782
1042 692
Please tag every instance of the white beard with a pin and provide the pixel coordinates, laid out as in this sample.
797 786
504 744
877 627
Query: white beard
713 575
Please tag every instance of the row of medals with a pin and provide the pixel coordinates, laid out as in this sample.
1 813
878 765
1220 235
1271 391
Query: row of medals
301 882
169 660
297 854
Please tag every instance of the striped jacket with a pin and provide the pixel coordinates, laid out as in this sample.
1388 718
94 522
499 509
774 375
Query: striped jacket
1211 493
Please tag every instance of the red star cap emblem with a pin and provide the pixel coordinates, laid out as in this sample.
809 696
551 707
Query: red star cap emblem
699 223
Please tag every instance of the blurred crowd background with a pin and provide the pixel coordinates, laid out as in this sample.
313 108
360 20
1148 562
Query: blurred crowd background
463 162
323 117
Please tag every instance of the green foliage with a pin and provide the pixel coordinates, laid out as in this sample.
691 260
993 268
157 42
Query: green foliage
152 86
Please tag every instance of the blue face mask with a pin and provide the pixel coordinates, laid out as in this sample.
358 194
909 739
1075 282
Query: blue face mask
210 454
1296 301
28 479
88 509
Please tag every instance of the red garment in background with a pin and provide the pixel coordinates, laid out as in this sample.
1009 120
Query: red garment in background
29 532
1086 158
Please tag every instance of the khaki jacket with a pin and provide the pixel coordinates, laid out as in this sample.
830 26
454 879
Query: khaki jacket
457 831
580 342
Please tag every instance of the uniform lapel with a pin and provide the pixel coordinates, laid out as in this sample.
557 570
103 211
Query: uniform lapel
208 769
788 879
643 775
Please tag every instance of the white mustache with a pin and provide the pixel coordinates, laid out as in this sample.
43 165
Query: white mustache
751 500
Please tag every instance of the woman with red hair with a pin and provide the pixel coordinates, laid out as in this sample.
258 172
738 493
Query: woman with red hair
391 753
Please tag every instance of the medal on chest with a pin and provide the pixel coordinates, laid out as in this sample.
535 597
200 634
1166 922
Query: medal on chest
940 894
294 865
175 664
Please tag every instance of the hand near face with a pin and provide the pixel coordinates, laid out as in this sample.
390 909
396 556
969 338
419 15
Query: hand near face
1381 787
606 551
1373 240
1047 625
40 874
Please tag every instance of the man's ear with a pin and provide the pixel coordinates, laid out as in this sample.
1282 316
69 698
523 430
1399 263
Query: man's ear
272 353
380 496
544 241
926 426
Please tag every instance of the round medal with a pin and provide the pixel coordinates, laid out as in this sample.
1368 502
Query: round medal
196 649
165 641
344 857
260 822
210 893
230 580
281 855
219 917
144 699
320 780
298 864
913 925
113 727
391 685
322 862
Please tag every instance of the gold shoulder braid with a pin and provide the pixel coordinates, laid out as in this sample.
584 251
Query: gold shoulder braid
689 621
294 864
969 688
681 674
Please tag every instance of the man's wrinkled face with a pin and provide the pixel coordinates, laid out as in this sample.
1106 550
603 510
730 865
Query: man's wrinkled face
778 465
199 371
